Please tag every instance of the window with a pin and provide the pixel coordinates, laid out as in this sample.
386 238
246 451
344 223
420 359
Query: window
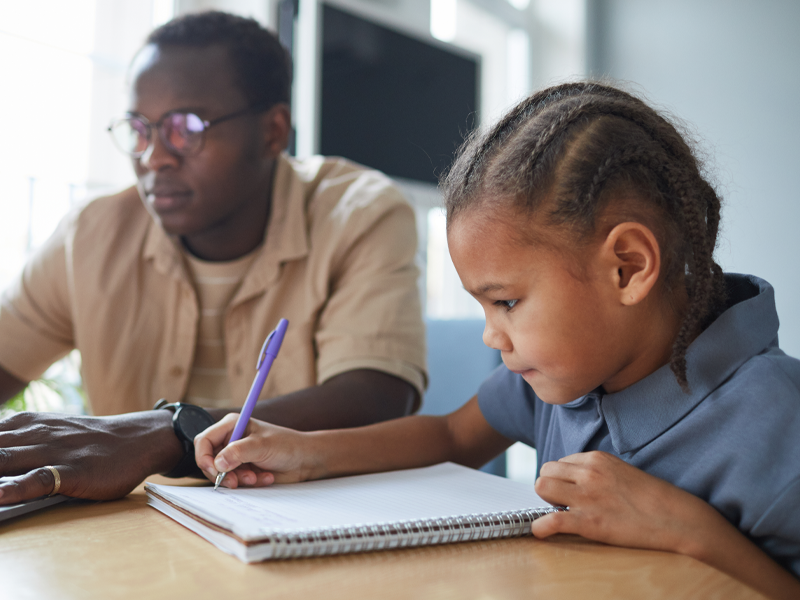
63 74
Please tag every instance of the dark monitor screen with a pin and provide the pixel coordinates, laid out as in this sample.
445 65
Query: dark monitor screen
391 101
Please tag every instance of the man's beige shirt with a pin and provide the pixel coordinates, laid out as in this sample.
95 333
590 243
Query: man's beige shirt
337 262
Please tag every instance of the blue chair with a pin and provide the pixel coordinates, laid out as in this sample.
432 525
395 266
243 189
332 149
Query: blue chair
458 361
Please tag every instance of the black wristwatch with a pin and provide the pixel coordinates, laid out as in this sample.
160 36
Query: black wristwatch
187 420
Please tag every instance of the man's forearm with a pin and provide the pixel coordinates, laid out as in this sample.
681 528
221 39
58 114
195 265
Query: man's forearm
352 399
106 457
10 386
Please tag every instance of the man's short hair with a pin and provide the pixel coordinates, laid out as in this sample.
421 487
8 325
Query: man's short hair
263 66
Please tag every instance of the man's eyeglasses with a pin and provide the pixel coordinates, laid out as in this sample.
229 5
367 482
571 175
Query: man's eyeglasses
181 132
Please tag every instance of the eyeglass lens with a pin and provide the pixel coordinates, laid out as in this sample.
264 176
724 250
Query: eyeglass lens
180 132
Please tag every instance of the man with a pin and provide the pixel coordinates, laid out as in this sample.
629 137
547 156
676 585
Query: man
170 292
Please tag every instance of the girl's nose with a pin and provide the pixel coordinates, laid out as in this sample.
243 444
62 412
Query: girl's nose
496 338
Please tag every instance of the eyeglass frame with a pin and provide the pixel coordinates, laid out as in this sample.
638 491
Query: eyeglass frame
158 127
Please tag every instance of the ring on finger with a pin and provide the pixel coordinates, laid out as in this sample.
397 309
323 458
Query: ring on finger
56 480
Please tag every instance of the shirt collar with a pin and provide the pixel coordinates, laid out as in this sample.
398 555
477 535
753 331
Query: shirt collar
286 236
163 251
640 413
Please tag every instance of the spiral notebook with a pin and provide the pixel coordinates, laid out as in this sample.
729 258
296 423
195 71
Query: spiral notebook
442 504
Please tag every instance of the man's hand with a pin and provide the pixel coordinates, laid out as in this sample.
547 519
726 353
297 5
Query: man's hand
106 457
97 457
265 454
613 502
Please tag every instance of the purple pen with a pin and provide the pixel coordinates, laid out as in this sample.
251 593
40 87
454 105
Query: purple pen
269 352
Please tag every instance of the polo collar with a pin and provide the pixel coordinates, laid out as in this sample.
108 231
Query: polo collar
286 237
640 413
163 250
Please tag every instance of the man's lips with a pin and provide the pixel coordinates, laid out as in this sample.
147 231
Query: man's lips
167 199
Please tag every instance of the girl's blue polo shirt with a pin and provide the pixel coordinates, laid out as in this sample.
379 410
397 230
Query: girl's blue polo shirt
733 440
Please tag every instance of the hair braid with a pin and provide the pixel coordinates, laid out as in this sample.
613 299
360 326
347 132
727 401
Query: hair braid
619 158
698 284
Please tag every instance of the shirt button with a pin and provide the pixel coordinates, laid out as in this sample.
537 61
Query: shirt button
176 371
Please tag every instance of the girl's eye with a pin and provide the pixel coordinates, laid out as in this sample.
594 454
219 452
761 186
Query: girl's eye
507 304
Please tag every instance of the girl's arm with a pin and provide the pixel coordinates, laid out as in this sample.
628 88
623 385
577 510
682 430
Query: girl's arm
268 453
613 502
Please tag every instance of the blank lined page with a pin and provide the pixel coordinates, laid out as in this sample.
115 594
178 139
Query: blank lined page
441 491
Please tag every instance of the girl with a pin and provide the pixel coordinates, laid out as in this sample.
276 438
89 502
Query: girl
583 226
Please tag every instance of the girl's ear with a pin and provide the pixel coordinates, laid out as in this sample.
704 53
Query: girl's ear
633 257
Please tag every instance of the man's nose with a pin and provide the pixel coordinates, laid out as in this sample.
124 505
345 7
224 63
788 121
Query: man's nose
157 156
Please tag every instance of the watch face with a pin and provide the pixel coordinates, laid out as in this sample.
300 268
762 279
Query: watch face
193 420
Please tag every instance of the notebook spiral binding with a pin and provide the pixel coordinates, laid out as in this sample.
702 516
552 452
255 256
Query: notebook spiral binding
406 534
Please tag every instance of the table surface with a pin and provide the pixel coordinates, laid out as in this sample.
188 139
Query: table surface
125 549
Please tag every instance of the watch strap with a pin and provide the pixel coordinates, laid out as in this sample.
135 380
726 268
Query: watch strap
187 466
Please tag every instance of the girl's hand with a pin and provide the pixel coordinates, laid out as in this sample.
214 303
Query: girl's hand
613 502
610 501
265 454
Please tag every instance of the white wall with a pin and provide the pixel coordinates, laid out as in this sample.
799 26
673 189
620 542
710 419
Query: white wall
262 11
732 70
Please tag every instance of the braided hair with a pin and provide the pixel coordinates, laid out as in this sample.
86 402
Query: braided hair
575 153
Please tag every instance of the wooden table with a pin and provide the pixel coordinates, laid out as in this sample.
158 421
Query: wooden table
125 549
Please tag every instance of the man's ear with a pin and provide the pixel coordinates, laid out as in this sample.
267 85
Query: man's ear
633 258
276 125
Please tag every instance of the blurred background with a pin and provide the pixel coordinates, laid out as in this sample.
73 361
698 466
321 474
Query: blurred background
395 84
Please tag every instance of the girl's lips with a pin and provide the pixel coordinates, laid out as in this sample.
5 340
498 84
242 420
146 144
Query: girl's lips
523 372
